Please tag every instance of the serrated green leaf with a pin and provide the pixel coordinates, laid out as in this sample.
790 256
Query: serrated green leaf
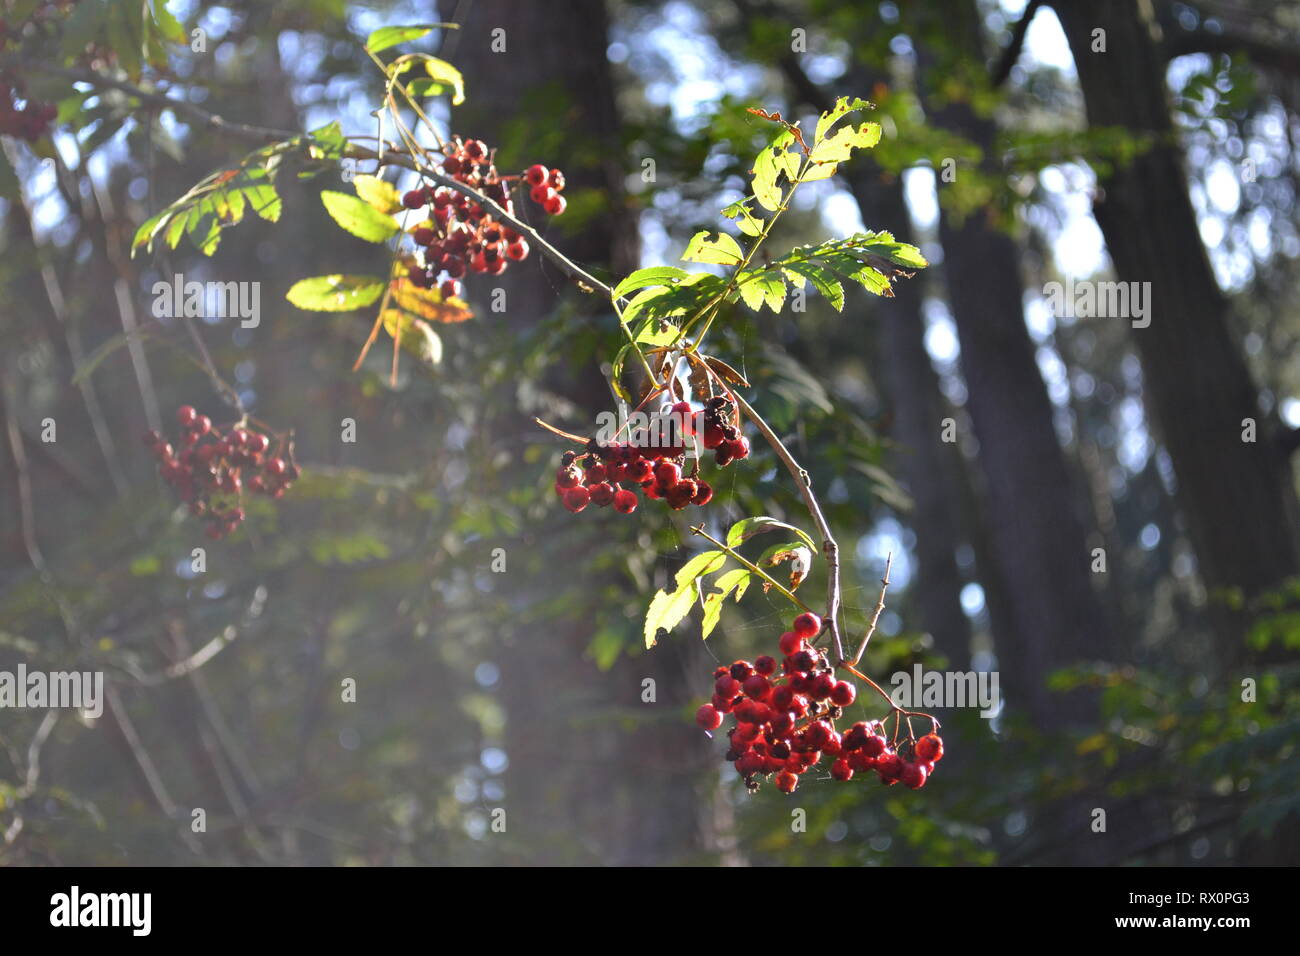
446 76
386 37
328 142
645 278
335 293
736 580
748 527
703 563
759 286
722 251
264 200
823 280
358 217
380 193
667 610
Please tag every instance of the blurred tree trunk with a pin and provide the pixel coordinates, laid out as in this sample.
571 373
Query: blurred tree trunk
591 778
1038 535
1234 495
926 462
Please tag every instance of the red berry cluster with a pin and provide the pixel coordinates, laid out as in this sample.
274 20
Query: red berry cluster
655 463
30 121
785 724
216 464
718 433
462 236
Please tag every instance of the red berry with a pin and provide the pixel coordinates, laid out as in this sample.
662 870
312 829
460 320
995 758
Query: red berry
738 447
624 501
423 235
708 717
840 769
929 749
541 194
517 250
890 767
714 436
449 288
186 415
874 745
413 199
667 473
756 687
602 493
536 174
914 775
567 478
555 206
703 492
276 466
556 179
843 694
786 781
575 499
803 661
765 665
749 764
681 494
791 643
807 625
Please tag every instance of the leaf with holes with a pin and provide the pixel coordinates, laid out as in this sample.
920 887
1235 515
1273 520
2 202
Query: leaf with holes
721 251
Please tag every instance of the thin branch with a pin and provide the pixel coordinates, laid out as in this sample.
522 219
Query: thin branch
751 566
829 546
880 606
187 665
385 157
1011 53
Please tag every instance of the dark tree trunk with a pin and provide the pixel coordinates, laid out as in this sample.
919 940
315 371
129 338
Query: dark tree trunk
1234 495
595 775
1038 535
925 461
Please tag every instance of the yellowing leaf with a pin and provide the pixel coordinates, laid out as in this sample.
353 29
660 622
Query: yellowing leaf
416 336
428 303
336 293
723 251
838 148
380 193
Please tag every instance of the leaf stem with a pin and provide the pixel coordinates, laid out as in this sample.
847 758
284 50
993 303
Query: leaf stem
751 565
